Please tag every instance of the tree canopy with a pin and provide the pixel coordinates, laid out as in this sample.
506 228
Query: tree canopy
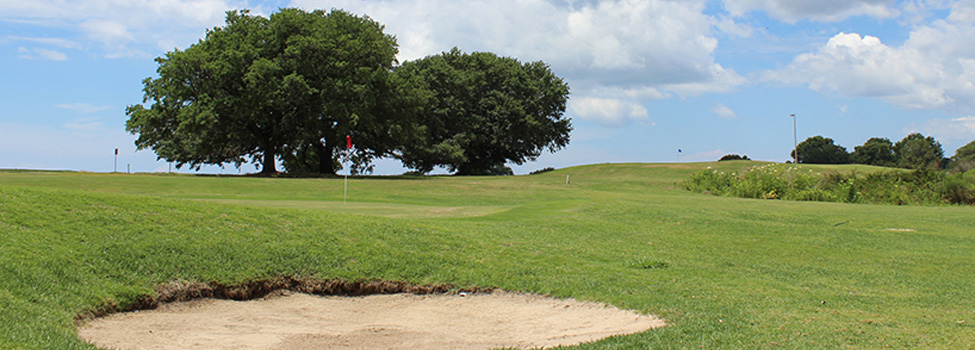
821 150
483 110
916 151
876 151
292 85
964 158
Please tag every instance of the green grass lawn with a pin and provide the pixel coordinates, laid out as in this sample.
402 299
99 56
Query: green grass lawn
723 272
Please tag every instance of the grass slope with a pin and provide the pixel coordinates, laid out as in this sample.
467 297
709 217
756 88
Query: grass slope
724 272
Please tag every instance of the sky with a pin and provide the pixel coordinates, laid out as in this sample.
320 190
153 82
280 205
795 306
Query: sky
651 80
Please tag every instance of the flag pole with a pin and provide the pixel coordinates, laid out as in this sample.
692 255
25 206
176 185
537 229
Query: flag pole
345 196
348 150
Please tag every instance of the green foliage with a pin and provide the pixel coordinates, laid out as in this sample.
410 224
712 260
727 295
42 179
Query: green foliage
916 151
876 151
964 158
733 157
960 188
821 150
922 186
483 110
292 85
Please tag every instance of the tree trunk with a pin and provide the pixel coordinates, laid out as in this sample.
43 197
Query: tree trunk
325 165
465 169
267 166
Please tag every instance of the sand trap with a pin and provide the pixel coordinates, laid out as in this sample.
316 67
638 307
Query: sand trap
291 320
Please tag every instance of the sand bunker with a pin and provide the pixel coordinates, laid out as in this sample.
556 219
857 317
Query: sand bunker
289 320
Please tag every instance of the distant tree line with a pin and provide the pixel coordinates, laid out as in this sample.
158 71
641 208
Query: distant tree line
915 151
301 87
733 157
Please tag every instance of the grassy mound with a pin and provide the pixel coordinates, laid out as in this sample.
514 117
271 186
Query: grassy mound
724 272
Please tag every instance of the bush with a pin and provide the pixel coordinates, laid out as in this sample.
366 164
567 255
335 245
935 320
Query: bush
922 186
733 157
959 188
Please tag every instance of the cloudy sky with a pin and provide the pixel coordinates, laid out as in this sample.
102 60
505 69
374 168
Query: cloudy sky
648 77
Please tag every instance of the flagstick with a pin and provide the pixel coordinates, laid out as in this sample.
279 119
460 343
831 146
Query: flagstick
348 152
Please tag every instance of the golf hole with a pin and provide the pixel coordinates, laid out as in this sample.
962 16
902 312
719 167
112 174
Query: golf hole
289 319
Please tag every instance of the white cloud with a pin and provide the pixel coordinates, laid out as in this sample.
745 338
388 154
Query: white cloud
41 54
608 111
649 45
59 42
822 10
81 107
723 111
933 69
729 26
123 28
956 129
107 31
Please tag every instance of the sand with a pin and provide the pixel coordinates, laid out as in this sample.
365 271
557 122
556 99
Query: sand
289 320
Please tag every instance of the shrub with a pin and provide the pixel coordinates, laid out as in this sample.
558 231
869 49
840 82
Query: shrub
959 188
922 186
733 157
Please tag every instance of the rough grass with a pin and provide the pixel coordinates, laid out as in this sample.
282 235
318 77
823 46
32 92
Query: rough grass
724 272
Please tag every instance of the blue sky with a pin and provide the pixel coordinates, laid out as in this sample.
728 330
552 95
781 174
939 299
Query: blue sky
647 77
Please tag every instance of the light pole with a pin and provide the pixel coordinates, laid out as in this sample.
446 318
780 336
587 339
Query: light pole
795 141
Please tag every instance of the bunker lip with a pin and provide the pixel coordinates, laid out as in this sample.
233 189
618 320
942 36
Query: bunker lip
179 291
293 313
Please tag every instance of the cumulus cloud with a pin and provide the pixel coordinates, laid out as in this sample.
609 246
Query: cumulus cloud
609 111
723 112
664 46
933 69
823 10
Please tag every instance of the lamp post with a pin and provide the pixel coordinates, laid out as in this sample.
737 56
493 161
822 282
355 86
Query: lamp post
795 141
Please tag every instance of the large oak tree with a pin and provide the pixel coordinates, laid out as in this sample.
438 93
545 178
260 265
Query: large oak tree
483 110
291 86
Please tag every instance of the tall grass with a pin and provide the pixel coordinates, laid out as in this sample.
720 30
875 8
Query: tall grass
919 187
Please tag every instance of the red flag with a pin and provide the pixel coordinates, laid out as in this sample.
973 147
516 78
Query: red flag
348 141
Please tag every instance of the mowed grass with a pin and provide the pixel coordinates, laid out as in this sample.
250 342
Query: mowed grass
723 272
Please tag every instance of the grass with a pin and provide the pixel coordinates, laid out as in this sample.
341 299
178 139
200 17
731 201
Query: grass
724 272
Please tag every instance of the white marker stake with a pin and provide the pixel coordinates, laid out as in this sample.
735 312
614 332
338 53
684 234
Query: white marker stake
345 197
